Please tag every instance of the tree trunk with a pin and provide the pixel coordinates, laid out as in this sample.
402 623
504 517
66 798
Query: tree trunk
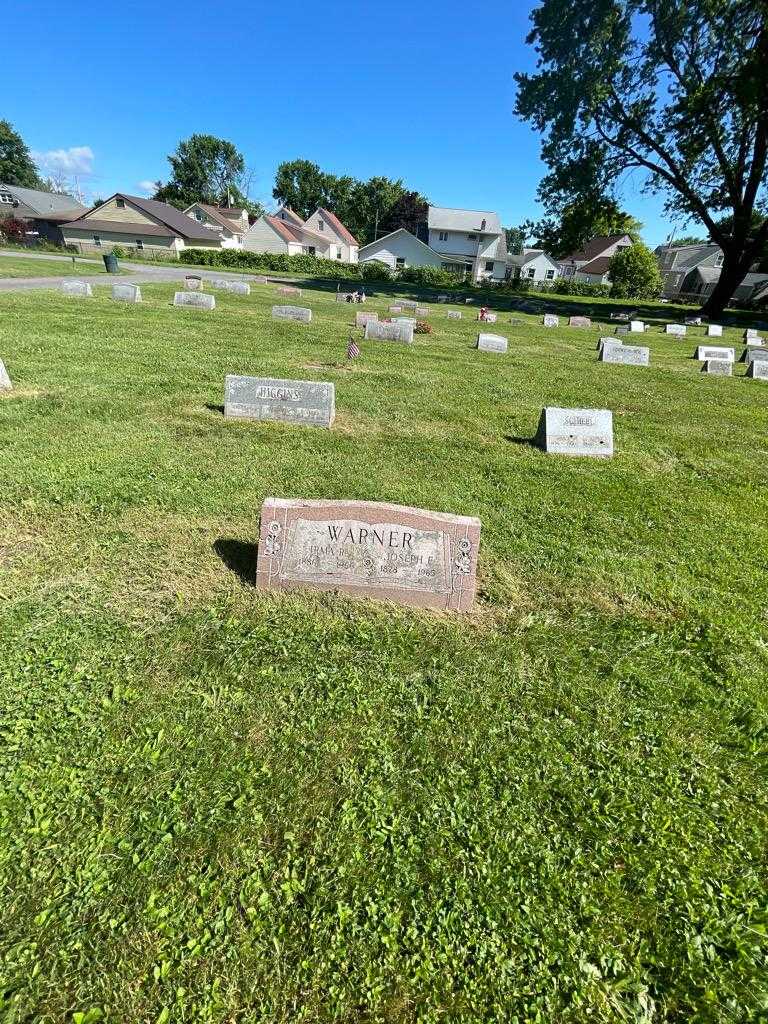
734 270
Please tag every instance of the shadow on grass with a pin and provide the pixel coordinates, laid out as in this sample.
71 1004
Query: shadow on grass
239 556
526 442
214 408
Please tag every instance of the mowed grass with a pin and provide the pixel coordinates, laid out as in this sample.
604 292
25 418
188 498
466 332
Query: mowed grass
218 804
19 266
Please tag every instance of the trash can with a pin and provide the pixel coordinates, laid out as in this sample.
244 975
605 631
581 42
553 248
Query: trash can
110 262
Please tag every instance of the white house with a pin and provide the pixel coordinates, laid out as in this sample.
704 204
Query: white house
322 234
590 264
470 242
231 223
532 265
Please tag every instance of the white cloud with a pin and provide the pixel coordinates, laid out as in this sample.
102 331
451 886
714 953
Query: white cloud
146 186
75 160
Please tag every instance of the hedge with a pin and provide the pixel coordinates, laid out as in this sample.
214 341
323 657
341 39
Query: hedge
239 259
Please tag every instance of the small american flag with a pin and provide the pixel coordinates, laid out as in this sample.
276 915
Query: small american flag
352 350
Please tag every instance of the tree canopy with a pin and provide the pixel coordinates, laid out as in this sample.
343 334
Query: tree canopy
634 273
584 218
206 170
367 208
674 89
16 165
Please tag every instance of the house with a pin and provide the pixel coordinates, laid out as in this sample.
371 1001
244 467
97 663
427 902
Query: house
230 223
141 224
471 241
690 272
532 265
322 234
467 242
44 211
590 264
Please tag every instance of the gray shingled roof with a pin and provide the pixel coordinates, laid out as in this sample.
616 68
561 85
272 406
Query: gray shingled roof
45 202
173 218
443 218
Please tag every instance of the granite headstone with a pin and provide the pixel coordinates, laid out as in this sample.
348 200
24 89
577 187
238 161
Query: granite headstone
383 331
719 367
200 300
306 402
704 352
77 289
491 343
300 313
126 293
576 431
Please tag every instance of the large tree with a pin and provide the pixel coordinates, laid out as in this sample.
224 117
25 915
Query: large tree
585 216
205 170
16 166
675 88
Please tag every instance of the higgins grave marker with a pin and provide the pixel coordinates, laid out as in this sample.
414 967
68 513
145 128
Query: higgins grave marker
306 402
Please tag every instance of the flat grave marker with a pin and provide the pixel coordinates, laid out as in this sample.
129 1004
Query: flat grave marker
629 355
239 288
550 320
199 300
680 330
395 309
714 331
300 313
758 369
579 321
126 293
370 549
454 314
261 279
576 431
719 367
491 343
421 311
285 290
704 352
636 327
221 284
305 402
383 331
361 319
77 289
624 329
5 380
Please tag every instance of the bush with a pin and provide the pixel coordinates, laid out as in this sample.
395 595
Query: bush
239 259
431 277
634 273
375 270
567 286
119 251
422 327
13 229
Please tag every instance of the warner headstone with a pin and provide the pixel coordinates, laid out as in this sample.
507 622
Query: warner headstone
306 402
300 313
714 331
720 367
550 320
704 352
383 331
491 343
77 289
754 355
579 321
454 314
5 380
361 319
126 293
677 329
239 288
198 299
636 327
576 431
629 355
758 369
370 549
193 283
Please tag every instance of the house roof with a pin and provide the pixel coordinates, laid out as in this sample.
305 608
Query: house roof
121 226
337 226
293 217
45 203
444 218
290 232
695 255
218 214
598 266
402 231
173 218
595 247
527 256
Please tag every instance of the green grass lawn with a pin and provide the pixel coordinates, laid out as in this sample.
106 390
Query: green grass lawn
20 266
218 804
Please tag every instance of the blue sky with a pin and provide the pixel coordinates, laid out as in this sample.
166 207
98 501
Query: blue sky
411 90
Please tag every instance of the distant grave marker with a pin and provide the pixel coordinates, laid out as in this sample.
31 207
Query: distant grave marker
489 318
200 300
193 283
576 431
344 296
77 289
126 293
491 343
261 279
395 309
714 331
679 330
719 367
758 369
370 549
361 319
550 320
300 313
239 288
754 355
454 314
704 352
421 311
624 329
382 331
636 327
305 402
284 290
442 298
629 355
579 321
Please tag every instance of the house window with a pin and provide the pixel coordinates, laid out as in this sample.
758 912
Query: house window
97 240
6 197
531 273
309 250
472 238
443 236
139 244
400 261
550 275
120 204
198 216
338 254
489 265
320 226
238 239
